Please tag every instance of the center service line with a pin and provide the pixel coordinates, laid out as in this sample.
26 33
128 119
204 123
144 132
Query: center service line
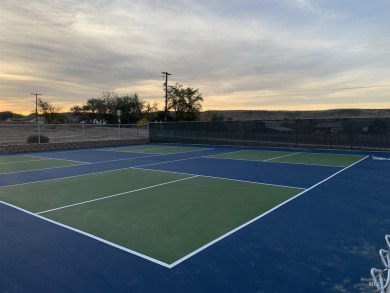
114 195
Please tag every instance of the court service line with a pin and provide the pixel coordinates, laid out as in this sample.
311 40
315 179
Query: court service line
71 151
258 217
167 162
48 158
293 154
275 162
140 150
127 159
136 150
115 195
41 169
261 150
42 159
240 151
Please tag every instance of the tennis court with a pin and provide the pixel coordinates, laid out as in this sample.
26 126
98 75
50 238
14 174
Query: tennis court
154 217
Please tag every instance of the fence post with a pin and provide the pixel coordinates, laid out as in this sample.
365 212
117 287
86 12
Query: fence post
296 132
243 129
39 134
351 138
207 126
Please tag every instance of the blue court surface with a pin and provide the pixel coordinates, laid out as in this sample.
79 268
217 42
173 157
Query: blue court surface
186 218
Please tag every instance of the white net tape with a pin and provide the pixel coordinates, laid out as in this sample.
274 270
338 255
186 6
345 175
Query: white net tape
380 158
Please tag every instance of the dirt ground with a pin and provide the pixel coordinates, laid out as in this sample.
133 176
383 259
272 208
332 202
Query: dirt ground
18 133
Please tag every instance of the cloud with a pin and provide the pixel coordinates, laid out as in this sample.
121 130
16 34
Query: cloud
73 50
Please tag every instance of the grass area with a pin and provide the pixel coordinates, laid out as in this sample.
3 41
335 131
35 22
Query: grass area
10 164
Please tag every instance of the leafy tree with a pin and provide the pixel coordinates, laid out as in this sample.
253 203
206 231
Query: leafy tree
97 109
50 112
8 114
185 102
131 108
104 109
151 112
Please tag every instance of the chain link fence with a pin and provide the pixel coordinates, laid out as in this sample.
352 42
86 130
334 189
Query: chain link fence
352 134
13 134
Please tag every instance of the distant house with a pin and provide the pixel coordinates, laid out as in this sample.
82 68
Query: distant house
329 127
27 119
276 126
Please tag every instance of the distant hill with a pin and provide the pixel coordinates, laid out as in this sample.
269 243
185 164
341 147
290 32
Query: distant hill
238 115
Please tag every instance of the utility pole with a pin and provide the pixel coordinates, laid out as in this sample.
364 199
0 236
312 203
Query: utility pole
36 106
166 94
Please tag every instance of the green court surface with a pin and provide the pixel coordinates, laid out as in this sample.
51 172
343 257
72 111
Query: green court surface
321 159
154 149
45 195
253 155
294 157
22 163
162 215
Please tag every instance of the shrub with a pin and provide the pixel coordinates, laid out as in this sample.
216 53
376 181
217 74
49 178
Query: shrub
35 139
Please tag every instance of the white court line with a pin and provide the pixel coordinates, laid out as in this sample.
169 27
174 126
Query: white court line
294 154
41 169
180 152
7 163
136 150
71 151
115 195
127 159
59 159
273 162
233 152
156 148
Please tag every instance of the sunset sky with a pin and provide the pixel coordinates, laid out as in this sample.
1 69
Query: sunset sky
240 54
